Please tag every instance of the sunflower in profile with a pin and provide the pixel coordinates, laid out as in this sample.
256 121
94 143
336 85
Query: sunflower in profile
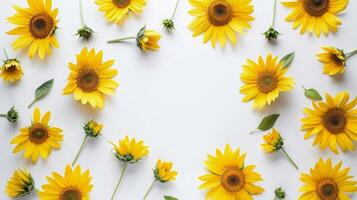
38 139
118 10
91 78
316 16
218 20
36 27
333 123
11 70
74 185
20 184
263 81
229 178
327 182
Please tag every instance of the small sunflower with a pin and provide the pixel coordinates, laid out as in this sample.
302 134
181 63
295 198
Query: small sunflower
74 185
20 184
229 178
36 27
39 139
327 182
11 70
91 78
118 10
333 123
218 20
334 60
263 81
12 115
316 16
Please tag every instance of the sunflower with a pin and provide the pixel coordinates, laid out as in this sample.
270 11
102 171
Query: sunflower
130 150
118 10
11 70
327 182
229 178
264 81
90 79
220 19
333 123
316 16
163 171
272 142
38 139
20 184
74 185
36 27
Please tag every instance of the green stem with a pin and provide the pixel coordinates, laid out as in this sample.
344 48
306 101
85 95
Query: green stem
34 101
351 53
303 87
289 158
3 115
150 188
6 55
80 150
121 39
174 12
274 14
81 12
120 180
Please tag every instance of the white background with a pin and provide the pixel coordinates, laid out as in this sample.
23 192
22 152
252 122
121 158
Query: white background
183 100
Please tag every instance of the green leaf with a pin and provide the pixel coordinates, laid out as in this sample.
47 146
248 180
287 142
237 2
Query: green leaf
42 91
312 94
288 59
170 198
267 122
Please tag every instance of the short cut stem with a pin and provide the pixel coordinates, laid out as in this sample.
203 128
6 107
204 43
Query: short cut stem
120 180
121 39
6 55
274 14
351 53
3 115
80 150
289 158
81 12
175 9
149 190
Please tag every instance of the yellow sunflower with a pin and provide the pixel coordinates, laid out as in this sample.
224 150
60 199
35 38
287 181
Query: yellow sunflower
327 182
220 19
118 10
74 185
229 178
38 139
20 184
11 70
130 150
36 27
316 16
263 81
91 78
333 123
163 171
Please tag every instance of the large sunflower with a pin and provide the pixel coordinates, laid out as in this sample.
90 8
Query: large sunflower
38 139
333 123
229 178
118 10
74 185
263 81
36 27
220 19
315 16
91 78
327 182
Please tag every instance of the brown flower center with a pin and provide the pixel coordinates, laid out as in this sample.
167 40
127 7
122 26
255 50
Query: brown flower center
88 80
11 68
334 120
220 13
267 83
121 3
41 25
316 8
38 134
337 60
327 190
233 179
70 194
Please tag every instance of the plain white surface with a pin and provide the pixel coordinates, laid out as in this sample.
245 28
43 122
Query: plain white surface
184 100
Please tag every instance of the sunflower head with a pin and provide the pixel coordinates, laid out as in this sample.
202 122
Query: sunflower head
280 193
20 184
85 33
36 27
147 40
271 34
327 182
334 60
11 70
272 141
74 185
264 80
333 123
163 171
168 24
12 115
92 128
130 150
229 176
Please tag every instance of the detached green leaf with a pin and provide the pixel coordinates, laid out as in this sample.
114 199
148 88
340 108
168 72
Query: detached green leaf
170 198
312 94
267 122
42 91
288 59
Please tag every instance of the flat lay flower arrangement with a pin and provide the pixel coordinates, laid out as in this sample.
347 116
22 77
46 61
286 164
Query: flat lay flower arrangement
196 99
